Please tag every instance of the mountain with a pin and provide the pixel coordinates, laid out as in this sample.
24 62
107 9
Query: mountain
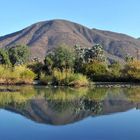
44 36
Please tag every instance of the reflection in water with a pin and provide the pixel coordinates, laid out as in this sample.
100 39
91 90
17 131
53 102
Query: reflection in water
59 106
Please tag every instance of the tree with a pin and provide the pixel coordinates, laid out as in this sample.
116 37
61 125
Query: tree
90 54
94 53
62 57
36 67
18 54
132 70
4 57
87 55
96 70
115 70
49 63
79 58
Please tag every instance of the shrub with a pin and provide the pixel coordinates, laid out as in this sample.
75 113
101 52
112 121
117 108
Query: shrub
36 67
27 76
132 70
62 77
46 79
79 80
4 57
65 77
96 71
115 71
18 54
16 75
63 57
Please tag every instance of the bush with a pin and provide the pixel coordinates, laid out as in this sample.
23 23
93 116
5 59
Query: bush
18 54
62 77
63 57
4 57
115 71
65 77
16 75
79 80
96 71
46 79
27 76
132 70
36 67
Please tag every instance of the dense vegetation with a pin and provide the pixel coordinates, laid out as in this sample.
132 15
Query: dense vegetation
90 64
13 69
16 75
65 66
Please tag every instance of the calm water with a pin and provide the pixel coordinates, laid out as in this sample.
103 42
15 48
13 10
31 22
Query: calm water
41 113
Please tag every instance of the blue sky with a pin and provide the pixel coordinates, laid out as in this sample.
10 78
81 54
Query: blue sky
114 15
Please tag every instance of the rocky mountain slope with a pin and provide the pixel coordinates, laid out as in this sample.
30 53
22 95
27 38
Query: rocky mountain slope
46 35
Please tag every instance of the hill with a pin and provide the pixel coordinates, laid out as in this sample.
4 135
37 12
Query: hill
44 36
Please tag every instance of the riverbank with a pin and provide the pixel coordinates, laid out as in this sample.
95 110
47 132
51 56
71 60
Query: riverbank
114 84
91 84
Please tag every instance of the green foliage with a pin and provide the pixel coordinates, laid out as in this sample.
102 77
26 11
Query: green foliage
36 67
18 54
63 65
62 57
49 62
96 71
79 80
131 70
87 55
94 53
115 70
46 79
4 57
65 77
16 75
90 54
62 77
27 76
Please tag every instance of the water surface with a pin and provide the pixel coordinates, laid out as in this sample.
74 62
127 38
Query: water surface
39 113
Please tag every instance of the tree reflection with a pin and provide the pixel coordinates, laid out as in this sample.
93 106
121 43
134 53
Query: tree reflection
67 105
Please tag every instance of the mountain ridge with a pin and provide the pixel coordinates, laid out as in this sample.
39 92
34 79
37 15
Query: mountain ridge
45 35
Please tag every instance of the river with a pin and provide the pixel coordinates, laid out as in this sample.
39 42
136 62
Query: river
97 113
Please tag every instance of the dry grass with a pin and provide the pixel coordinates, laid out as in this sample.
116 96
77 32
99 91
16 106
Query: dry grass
16 75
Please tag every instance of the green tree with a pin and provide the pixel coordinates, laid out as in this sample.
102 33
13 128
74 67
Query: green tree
63 57
87 55
4 57
131 70
49 63
96 70
115 70
94 53
79 58
18 54
90 54
36 67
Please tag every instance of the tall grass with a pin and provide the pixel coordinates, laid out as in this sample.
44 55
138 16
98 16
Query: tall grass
16 75
65 78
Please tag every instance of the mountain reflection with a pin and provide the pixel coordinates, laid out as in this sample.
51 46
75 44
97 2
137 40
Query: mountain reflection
59 106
